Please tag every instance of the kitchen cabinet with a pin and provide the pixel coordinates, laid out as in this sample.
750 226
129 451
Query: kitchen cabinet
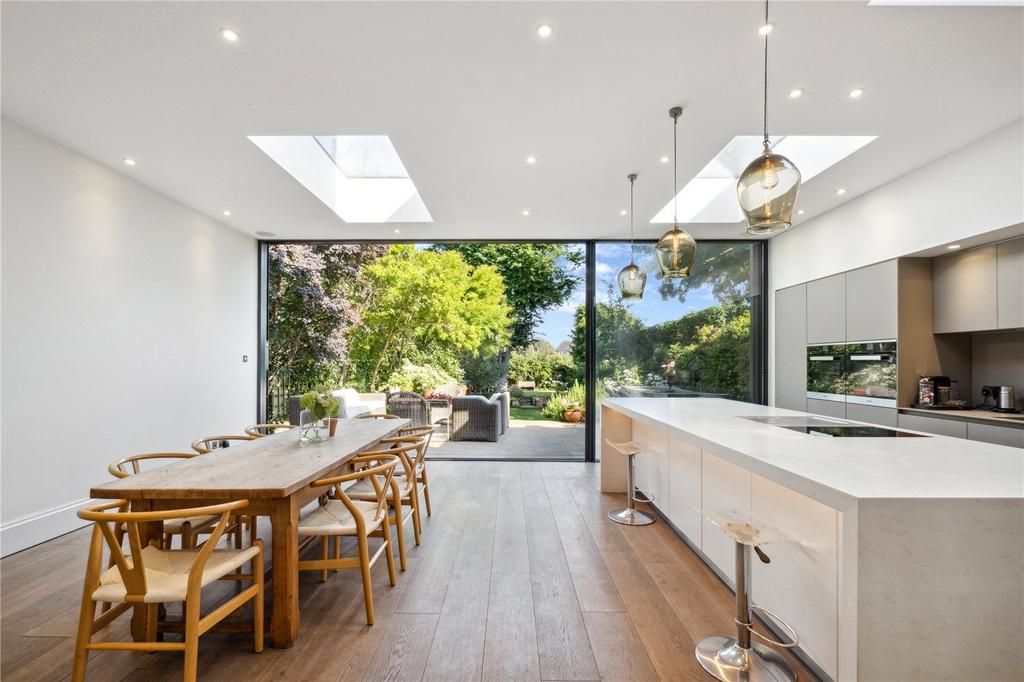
684 500
1010 284
790 347
871 297
964 295
995 434
883 416
828 408
724 487
936 425
826 310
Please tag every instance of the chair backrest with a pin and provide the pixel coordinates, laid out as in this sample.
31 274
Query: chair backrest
210 443
376 465
368 415
419 436
260 430
126 466
109 518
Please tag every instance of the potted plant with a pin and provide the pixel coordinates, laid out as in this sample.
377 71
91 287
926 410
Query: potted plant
319 417
572 411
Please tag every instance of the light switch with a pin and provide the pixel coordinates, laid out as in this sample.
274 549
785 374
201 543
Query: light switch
245 358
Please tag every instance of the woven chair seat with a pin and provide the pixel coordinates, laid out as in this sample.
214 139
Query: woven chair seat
401 473
363 490
334 518
167 573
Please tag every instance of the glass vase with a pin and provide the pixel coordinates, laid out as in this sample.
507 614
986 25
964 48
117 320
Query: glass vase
313 430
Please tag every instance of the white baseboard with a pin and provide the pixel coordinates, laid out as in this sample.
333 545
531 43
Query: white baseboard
32 529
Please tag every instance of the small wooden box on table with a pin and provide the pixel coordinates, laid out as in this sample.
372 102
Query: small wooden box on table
274 474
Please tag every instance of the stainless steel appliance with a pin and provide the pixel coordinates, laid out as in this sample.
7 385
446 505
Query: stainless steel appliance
1003 399
863 372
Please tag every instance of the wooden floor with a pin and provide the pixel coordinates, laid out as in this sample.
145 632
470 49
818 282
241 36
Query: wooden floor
520 577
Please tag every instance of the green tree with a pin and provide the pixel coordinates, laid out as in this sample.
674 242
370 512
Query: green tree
426 300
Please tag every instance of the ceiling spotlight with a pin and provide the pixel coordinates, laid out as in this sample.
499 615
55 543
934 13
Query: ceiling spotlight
397 231
261 233
227 213
526 212
531 160
765 29
840 191
800 212
129 162
665 159
953 247
856 93
229 35
796 92
623 212
544 30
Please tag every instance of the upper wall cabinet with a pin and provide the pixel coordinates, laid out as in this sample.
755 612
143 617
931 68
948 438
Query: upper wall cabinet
826 310
1010 284
871 302
964 291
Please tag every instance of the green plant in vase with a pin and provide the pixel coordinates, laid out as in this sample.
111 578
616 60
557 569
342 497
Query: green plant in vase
319 416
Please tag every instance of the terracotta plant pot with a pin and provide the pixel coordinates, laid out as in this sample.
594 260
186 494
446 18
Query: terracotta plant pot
572 416
333 421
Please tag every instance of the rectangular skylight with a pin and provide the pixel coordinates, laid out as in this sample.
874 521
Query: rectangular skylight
359 177
710 197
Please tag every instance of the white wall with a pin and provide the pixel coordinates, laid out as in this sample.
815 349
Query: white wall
125 316
973 190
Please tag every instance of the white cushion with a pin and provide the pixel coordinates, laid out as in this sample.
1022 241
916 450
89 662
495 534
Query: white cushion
167 573
334 518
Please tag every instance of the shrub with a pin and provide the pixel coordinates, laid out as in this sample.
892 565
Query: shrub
419 378
574 398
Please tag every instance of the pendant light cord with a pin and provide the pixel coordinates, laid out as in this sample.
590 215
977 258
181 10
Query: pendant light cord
765 118
632 247
675 171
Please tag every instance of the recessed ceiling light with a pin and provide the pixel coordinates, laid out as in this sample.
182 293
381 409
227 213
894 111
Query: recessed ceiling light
397 231
953 247
840 191
856 93
229 35
225 212
800 212
129 162
261 233
526 212
531 160
795 92
665 159
544 30
765 29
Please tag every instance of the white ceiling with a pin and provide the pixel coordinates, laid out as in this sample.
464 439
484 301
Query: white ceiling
466 91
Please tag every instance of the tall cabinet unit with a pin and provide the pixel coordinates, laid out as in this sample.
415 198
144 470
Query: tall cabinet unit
791 348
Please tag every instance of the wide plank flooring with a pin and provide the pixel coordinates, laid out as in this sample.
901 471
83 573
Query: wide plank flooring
520 577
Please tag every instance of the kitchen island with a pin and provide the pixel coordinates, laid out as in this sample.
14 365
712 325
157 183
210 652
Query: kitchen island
905 555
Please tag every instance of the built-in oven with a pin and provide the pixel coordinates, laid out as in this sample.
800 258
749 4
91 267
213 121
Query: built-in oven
871 373
826 371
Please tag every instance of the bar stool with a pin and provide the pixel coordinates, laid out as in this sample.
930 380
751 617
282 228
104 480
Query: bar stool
630 515
735 659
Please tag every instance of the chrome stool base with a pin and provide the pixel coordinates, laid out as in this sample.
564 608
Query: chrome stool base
631 517
724 659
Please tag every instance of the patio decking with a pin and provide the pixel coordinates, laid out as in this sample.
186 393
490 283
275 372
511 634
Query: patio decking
524 440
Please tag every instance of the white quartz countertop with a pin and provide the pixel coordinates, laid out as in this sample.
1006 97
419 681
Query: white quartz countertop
836 471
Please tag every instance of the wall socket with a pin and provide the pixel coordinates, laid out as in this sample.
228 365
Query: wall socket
245 358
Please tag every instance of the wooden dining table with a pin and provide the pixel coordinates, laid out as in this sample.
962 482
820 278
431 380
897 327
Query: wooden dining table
273 473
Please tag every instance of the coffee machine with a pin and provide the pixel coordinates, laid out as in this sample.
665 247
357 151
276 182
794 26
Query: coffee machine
1002 399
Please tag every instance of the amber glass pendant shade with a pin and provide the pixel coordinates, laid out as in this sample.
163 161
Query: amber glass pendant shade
675 251
767 192
632 281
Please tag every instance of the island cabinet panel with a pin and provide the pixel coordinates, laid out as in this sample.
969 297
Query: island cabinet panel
964 291
684 502
826 310
1010 284
652 462
724 487
871 295
801 582
872 414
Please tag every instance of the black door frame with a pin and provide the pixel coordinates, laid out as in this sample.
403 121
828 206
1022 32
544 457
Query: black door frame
758 327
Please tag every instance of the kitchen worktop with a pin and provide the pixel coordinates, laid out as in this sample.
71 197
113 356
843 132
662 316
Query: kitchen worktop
986 416
835 471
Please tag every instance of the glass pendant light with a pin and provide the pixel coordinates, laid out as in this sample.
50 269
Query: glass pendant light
632 279
767 188
676 248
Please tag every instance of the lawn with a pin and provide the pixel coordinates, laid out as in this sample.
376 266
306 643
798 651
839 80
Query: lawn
528 414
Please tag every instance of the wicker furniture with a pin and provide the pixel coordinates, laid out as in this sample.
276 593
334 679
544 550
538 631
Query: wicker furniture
505 400
411 406
474 417
350 404
340 514
149 576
